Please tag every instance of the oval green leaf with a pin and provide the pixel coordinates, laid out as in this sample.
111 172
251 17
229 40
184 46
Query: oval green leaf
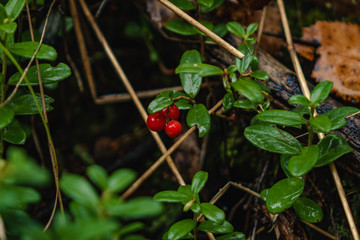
300 164
180 229
27 50
320 93
9 28
180 27
283 194
228 101
264 193
331 147
172 196
244 103
308 210
79 189
244 64
320 123
337 116
262 75
249 89
49 74
185 5
120 179
13 8
202 69
236 28
14 133
198 181
7 114
284 162
191 82
212 213
25 104
141 207
198 115
98 175
207 3
210 226
282 117
271 139
251 28
162 101
299 99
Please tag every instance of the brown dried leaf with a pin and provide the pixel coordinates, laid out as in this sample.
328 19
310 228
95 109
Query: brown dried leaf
339 59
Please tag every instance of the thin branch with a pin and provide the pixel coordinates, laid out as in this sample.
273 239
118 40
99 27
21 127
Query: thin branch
129 88
202 28
2 229
261 28
306 93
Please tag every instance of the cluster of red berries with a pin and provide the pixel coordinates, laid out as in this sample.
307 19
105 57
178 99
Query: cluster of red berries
165 119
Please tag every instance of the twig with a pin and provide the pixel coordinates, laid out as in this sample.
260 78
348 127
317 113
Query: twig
306 93
2 229
128 87
202 28
261 28
158 162
319 230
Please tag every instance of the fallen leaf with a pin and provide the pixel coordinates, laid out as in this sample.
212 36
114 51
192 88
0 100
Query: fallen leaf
339 56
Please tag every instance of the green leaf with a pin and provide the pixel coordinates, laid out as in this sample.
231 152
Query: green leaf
210 226
202 69
264 193
180 27
79 189
172 196
215 5
236 28
300 164
48 73
120 179
244 64
207 3
283 194
320 123
220 30
25 104
7 114
337 116
14 133
302 110
14 8
198 115
162 100
3 14
141 207
282 117
199 181
250 89
320 92
191 82
262 75
299 99
27 50
284 163
130 228
251 29
331 147
97 175
254 64
273 140
17 197
180 229
212 213
228 101
244 103
183 104
185 5
9 28
308 210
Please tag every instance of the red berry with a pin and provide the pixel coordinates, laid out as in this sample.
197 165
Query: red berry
174 112
173 129
164 112
156 122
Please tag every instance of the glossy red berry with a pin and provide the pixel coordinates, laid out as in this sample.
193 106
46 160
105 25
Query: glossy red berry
174 112
164 112
173 129
156 122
